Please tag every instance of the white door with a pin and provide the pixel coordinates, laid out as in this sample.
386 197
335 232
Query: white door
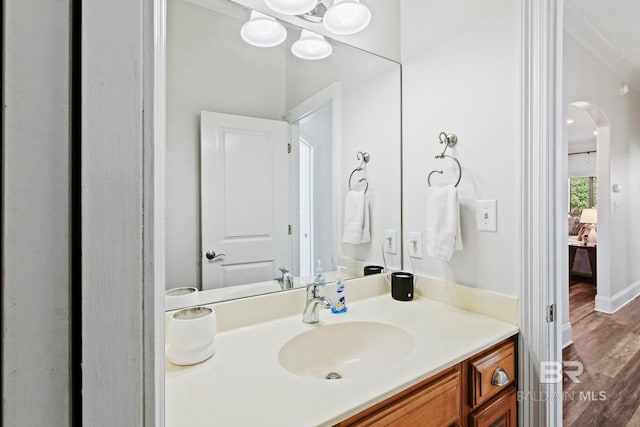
244 199
306 208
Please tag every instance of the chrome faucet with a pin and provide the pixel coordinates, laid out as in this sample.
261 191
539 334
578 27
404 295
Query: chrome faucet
311 313
286 281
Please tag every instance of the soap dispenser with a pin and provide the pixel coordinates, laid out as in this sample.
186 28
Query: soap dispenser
339 302
319 278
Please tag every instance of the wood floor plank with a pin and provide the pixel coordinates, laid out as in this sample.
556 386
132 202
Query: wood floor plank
635 419
609 347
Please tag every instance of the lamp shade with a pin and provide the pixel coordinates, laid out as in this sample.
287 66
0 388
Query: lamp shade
589 216
292 7
346 17
311 46
263 31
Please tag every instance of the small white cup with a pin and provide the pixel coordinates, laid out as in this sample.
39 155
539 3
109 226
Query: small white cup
191 335
181 297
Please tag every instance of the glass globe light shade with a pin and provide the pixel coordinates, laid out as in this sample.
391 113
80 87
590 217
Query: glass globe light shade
347 17
292 7
263 31
311 46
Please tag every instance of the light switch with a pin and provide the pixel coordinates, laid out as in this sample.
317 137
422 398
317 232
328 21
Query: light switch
487 215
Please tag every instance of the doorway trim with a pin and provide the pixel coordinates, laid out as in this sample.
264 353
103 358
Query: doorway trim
332 94
541 337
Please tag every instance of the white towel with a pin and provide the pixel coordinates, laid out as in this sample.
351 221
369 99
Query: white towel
442 222
366 233
356 218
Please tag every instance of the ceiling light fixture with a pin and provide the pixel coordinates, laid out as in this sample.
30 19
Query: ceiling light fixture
570 121
263 31
311 46
346 17
624 89
292 7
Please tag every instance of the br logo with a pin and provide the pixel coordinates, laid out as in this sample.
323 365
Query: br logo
551 372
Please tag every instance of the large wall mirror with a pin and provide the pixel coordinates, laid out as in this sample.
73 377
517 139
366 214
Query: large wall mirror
261 151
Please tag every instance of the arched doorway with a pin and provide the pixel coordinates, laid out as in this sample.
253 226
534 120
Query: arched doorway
587 145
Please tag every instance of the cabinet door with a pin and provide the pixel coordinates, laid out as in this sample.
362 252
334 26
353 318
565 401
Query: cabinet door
485 367
500 412
435 404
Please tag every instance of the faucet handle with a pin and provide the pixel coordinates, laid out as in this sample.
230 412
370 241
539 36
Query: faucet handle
312 290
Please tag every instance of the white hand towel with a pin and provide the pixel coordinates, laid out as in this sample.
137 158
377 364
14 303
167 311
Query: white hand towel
442 222
366 233
356 218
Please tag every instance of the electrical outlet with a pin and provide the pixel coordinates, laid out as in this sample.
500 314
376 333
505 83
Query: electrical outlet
391 242
415 245
487 215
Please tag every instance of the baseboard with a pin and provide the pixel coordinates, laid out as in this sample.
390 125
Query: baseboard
567 335
612 304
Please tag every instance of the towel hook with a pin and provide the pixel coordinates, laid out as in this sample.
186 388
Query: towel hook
449 140
364 158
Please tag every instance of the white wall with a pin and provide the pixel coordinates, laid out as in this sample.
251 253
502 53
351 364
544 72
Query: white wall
35 190
461 74
198 46
589 80
370 122
633 188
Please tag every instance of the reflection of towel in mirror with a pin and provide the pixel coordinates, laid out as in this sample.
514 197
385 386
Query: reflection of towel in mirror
442 222
356 218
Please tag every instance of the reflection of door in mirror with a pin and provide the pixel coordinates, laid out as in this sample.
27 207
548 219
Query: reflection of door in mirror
312 152
210 68
244 199
306 207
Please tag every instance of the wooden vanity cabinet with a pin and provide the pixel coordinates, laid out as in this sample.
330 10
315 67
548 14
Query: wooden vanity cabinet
498 412
434 402
491 404
463 395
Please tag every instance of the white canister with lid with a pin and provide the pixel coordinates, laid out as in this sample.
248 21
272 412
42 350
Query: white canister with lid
191 335
181 297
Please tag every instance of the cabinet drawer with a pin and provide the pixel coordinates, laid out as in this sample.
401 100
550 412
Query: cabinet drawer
500 412
485 371
436 404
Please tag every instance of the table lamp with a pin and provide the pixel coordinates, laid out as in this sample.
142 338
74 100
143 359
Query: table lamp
590 216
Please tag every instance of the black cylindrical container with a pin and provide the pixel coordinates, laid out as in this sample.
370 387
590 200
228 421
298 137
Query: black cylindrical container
372 269
402 286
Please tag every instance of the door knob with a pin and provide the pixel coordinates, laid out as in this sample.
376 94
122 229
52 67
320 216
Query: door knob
211 255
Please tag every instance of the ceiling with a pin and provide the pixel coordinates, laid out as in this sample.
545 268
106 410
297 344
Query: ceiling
611 31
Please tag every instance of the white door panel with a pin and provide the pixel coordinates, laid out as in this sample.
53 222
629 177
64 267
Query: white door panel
244 198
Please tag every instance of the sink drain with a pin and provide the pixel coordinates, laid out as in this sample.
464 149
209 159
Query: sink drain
333 376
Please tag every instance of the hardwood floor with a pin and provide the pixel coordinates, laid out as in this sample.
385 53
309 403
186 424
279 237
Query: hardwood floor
608 345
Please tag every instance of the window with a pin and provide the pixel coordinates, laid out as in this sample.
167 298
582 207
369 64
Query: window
583 193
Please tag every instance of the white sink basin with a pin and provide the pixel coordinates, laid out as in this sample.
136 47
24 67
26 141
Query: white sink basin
346 349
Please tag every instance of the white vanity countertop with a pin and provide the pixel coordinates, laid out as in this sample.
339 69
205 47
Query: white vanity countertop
243 384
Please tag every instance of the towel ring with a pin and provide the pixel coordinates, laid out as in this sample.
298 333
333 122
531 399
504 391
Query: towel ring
360 180
442 156
364 158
